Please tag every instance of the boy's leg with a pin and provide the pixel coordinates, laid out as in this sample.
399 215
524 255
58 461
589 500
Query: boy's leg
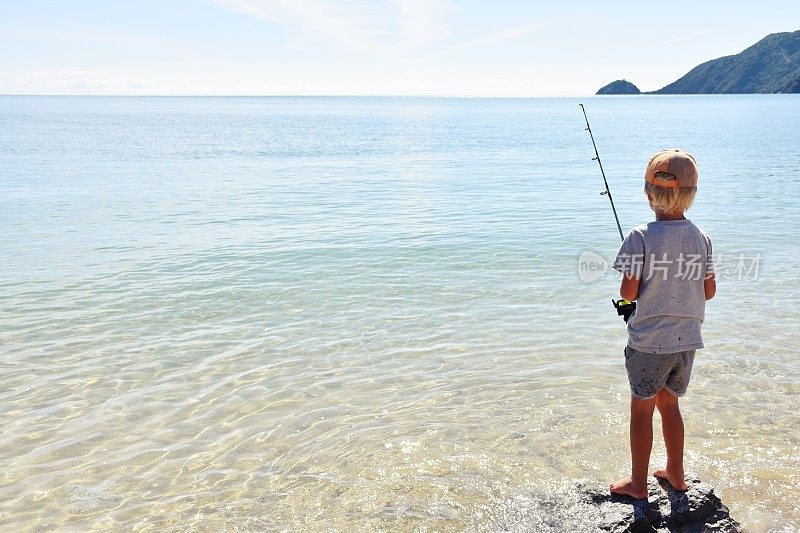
672 427
641 435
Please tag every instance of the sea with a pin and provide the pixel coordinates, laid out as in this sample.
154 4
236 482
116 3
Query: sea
374 313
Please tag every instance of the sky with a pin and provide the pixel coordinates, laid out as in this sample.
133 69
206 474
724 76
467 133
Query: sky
368 47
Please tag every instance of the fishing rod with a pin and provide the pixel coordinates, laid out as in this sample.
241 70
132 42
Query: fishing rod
624 308
596 157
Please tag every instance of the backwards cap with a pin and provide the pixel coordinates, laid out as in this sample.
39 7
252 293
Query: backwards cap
675 162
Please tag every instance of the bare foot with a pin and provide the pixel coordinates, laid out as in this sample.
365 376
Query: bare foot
627 487
677 481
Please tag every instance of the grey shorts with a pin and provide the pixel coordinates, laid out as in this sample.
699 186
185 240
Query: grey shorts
648 373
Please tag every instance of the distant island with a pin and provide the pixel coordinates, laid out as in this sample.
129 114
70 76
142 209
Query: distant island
620 87
772 65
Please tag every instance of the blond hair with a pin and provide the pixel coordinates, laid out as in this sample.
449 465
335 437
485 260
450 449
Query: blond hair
670 200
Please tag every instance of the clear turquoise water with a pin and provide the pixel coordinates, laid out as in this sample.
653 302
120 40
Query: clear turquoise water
365 313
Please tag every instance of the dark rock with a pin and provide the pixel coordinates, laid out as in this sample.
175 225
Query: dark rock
697 510
578 508
619 87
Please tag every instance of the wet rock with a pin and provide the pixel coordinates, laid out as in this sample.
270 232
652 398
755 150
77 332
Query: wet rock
697 510
579 508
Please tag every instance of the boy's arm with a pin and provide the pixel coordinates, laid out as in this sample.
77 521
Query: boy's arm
630 263
629 288
710 285
710 281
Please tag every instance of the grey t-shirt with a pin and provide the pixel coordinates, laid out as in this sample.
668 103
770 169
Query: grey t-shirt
671 259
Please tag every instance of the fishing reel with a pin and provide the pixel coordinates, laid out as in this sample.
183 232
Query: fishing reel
624 308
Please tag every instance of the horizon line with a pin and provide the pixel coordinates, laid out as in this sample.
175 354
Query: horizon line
300 95
432 96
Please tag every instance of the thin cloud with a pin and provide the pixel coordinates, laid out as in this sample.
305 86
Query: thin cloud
402 26
692 35
86 35
508 33
424 22
75 81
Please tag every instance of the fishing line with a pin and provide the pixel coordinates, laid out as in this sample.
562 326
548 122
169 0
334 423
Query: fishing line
624 308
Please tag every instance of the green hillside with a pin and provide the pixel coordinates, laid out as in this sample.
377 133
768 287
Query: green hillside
772 65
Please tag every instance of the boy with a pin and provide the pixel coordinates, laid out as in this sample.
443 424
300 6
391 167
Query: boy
666 267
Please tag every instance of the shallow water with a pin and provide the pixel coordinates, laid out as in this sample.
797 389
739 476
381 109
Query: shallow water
365 313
